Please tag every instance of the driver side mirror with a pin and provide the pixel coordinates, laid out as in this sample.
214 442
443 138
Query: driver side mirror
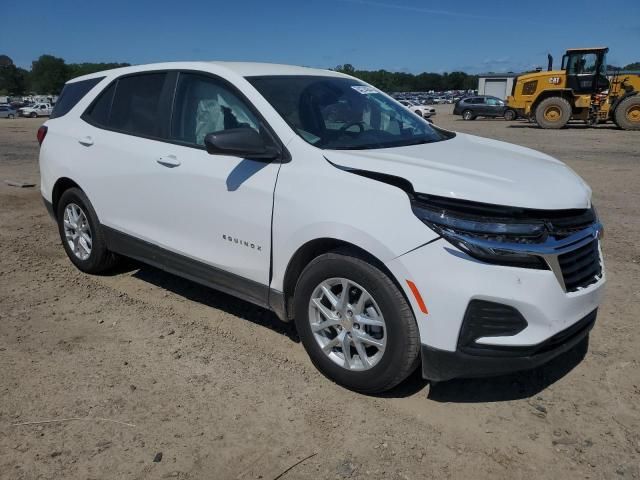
241 142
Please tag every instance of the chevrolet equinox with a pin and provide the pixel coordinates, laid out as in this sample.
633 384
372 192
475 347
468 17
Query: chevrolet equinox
391 243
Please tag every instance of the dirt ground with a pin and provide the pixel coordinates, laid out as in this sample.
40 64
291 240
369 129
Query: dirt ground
223 390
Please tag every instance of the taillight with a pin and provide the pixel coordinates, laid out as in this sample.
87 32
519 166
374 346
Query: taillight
42 132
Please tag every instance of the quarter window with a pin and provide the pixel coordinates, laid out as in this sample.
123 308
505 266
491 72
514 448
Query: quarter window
98 113
204 105
71 94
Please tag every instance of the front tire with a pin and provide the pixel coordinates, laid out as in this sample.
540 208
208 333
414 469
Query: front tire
553 113
627 114
11 116
81 233
355 323
468 115
419 113
510 115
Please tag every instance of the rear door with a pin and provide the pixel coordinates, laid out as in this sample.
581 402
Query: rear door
478 106
123 135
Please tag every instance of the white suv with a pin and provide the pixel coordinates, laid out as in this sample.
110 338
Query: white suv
389 241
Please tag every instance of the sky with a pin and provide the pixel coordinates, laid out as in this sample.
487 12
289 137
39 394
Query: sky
398 35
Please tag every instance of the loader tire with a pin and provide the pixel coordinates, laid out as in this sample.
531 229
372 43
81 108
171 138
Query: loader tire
553 112
627 114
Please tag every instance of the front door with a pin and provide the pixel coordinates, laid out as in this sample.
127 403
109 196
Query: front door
216 208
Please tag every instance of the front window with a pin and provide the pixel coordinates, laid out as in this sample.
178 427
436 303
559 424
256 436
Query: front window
343 113
583 63
204 105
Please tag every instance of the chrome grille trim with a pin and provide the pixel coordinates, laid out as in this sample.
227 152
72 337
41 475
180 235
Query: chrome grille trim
549 250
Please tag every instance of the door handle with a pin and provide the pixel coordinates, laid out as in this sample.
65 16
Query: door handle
169 161
86 141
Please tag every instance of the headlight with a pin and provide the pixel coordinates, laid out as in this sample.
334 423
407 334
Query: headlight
493 240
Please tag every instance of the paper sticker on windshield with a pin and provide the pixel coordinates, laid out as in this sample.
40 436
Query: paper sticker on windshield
364 89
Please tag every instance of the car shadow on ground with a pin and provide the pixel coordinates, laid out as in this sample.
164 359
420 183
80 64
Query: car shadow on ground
208 296
515 386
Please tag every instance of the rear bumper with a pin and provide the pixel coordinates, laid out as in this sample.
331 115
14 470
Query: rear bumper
441 365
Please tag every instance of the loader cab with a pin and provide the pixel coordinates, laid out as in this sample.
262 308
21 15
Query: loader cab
586 69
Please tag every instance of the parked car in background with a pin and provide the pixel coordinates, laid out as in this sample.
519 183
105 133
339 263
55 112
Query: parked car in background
483 106
424 111
36 110
7 112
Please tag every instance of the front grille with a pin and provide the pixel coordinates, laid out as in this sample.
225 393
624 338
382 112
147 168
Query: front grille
529 88
581 267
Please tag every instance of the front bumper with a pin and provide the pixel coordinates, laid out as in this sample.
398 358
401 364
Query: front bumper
449 279
441 365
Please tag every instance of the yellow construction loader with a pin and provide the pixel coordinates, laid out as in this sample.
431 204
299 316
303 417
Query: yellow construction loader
581 90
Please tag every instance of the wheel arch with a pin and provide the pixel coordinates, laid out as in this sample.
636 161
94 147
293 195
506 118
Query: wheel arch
565 93
313 249
62 184
619 100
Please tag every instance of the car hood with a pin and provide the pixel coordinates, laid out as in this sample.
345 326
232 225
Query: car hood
478 169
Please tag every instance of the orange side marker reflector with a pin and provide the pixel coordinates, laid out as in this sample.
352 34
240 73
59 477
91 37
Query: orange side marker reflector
416 294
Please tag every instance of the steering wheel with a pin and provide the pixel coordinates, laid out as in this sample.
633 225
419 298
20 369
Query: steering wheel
347 126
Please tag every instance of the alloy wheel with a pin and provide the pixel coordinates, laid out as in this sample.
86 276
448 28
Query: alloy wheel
77 231
347 324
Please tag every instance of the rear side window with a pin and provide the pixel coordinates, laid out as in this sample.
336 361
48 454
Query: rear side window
71 94
133 105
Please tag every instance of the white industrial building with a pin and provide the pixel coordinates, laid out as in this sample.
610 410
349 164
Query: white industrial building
496 84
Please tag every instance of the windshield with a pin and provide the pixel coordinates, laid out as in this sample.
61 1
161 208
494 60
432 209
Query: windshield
343 113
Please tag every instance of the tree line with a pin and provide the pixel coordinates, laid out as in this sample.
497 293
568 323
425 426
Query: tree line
408 82
47 76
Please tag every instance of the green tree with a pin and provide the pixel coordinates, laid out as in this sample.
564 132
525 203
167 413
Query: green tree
5 61
13 80
48 74
632 66
346 68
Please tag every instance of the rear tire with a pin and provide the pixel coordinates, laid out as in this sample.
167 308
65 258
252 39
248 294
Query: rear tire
419 113
627 114
468 115
33 115
82 236
11 116
400 353
510 115
553 112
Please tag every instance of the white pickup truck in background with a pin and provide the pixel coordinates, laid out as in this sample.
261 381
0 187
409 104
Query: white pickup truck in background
36 110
